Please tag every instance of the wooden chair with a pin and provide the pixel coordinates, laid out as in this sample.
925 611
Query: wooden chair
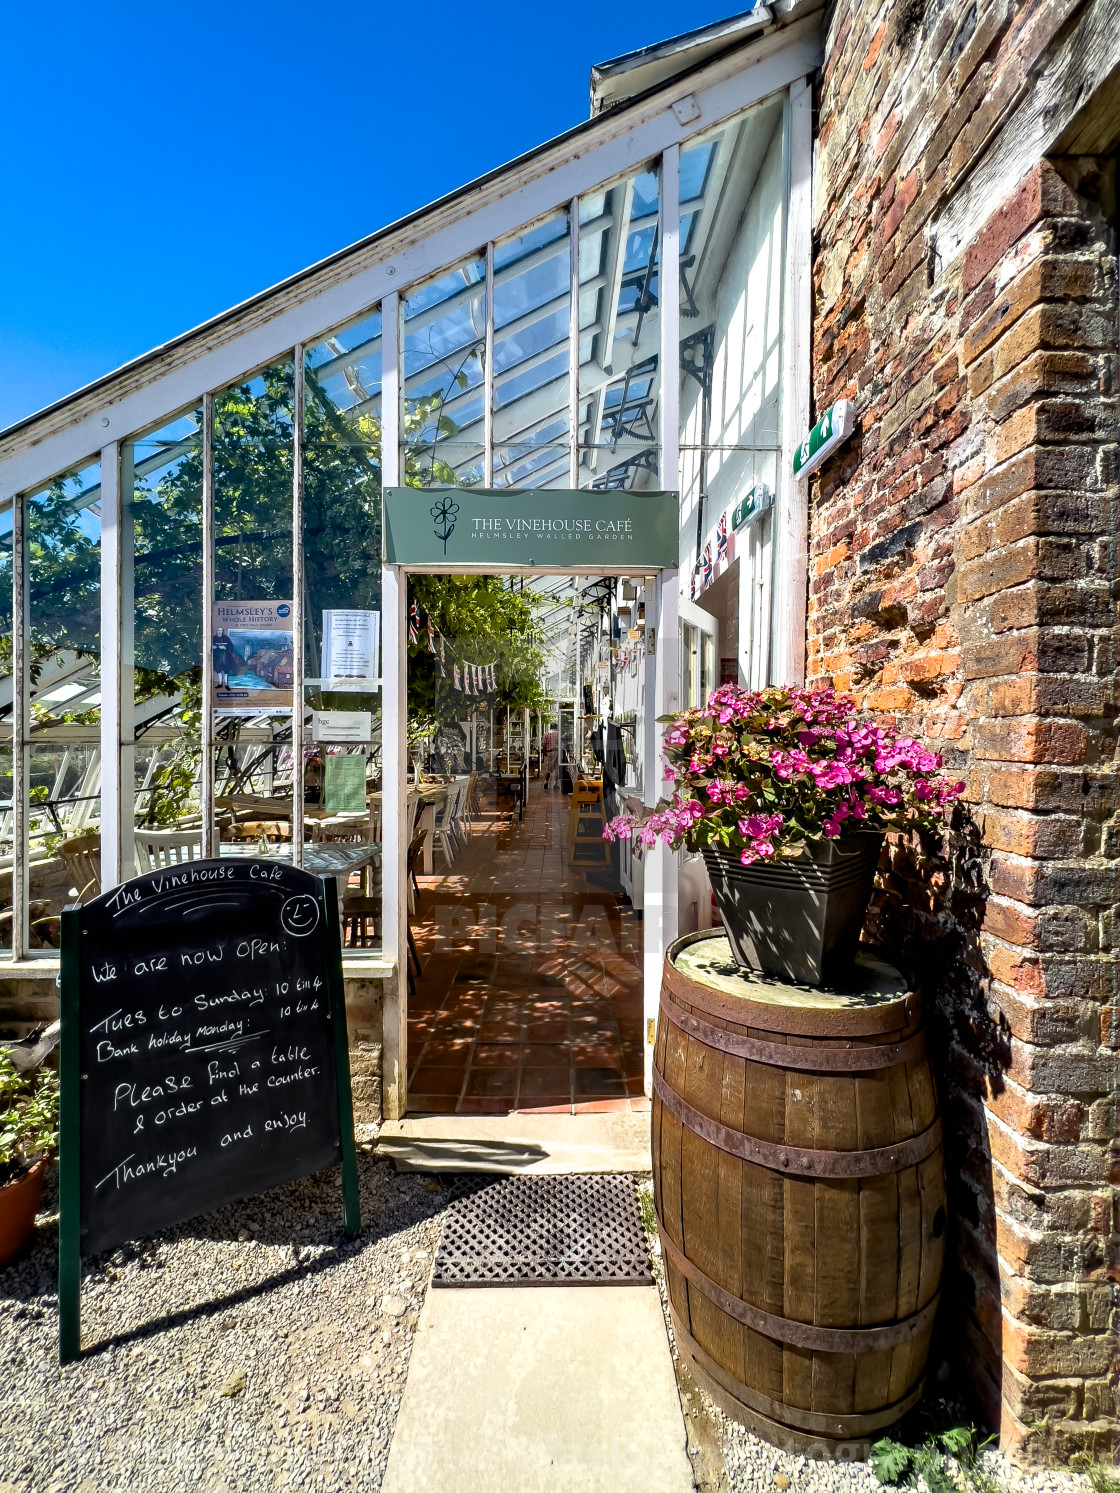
159 849
361 915
81 856
446 815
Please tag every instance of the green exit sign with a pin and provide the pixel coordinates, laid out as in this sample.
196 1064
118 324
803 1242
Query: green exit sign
748 508
831 430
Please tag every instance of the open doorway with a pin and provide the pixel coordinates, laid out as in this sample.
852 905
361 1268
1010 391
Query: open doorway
526 992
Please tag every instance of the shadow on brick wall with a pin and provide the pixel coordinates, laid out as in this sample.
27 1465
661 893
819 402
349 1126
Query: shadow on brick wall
926 917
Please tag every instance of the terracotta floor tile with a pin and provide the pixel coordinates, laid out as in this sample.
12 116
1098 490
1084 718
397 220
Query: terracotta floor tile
640 1105
496 1055
544 1083
499 1031
432 1104
576 952
605 1056
546 1031
601 1106
545 1055
477 1104
530 1108
428 1080
601 1082
492 1081
448 1052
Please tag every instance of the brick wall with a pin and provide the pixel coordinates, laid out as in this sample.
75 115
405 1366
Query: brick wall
962 581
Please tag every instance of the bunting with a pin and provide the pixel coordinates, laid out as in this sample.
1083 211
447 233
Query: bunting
469 678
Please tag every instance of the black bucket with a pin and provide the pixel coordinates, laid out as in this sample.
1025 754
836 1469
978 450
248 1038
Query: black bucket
799 919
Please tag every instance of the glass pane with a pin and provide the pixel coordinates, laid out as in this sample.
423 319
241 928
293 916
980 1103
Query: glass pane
532 296
251 623
443 343
163 471
620 334
63 749
6 842
732 183
342 560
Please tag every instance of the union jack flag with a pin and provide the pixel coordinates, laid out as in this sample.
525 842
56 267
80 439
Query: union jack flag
431 637
455 676
414 623
707 579
721 539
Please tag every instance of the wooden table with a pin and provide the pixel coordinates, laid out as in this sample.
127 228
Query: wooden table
320 860
429 796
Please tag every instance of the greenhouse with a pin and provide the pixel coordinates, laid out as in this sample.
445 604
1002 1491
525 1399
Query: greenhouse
220 645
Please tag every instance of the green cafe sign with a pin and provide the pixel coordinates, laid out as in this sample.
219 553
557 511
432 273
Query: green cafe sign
444 528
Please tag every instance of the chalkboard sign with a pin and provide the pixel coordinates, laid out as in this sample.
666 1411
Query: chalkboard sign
204 1053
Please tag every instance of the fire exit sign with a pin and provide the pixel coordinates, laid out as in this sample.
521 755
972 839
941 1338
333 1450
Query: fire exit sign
831 430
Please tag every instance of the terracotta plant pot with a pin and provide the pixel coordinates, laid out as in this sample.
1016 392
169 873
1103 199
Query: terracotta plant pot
19 1203
799 919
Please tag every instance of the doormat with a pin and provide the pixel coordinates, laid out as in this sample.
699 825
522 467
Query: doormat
545 1231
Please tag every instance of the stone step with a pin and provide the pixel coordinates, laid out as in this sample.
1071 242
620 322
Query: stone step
552 1144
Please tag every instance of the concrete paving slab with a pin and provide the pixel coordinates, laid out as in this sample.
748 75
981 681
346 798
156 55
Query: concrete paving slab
545 1389
555 1144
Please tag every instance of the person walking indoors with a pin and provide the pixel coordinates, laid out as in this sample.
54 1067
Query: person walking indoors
549 747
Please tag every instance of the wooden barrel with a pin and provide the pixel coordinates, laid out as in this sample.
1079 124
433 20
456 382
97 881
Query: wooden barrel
800 1193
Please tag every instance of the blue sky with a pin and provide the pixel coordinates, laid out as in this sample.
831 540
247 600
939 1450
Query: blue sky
164 161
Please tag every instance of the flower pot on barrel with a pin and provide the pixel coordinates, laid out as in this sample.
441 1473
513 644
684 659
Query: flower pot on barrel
28 1135
798 1173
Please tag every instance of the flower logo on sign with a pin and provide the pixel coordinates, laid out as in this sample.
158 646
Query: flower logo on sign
445 511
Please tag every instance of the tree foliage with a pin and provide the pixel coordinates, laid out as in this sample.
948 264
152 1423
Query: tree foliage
483 622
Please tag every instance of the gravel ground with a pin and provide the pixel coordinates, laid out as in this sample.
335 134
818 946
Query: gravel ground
248 1350
257 1349
727 1458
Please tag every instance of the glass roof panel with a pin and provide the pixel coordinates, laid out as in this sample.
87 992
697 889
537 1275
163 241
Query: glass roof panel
620 333
443 348
532 294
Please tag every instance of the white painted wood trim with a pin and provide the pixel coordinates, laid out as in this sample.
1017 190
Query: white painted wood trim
670 296
791 514
394 746
573 343
488 376
112 692
350 285
298 621
206 776
20 715
394 849
659 902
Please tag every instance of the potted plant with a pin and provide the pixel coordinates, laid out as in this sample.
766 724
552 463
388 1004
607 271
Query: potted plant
28 1136
788 794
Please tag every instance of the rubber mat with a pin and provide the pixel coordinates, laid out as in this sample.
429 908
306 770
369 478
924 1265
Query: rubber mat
544 1231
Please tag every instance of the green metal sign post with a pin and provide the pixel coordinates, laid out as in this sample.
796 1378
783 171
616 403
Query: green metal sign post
456 528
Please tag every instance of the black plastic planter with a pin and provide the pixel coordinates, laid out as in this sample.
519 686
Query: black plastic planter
799 918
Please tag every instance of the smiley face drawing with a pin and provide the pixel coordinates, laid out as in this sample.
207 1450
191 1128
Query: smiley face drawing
299 915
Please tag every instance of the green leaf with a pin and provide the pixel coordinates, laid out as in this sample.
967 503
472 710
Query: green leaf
959 1442
890 1461
929 1465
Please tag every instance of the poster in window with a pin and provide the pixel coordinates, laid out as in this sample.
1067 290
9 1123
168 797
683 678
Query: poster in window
252 646
350 642
344 784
